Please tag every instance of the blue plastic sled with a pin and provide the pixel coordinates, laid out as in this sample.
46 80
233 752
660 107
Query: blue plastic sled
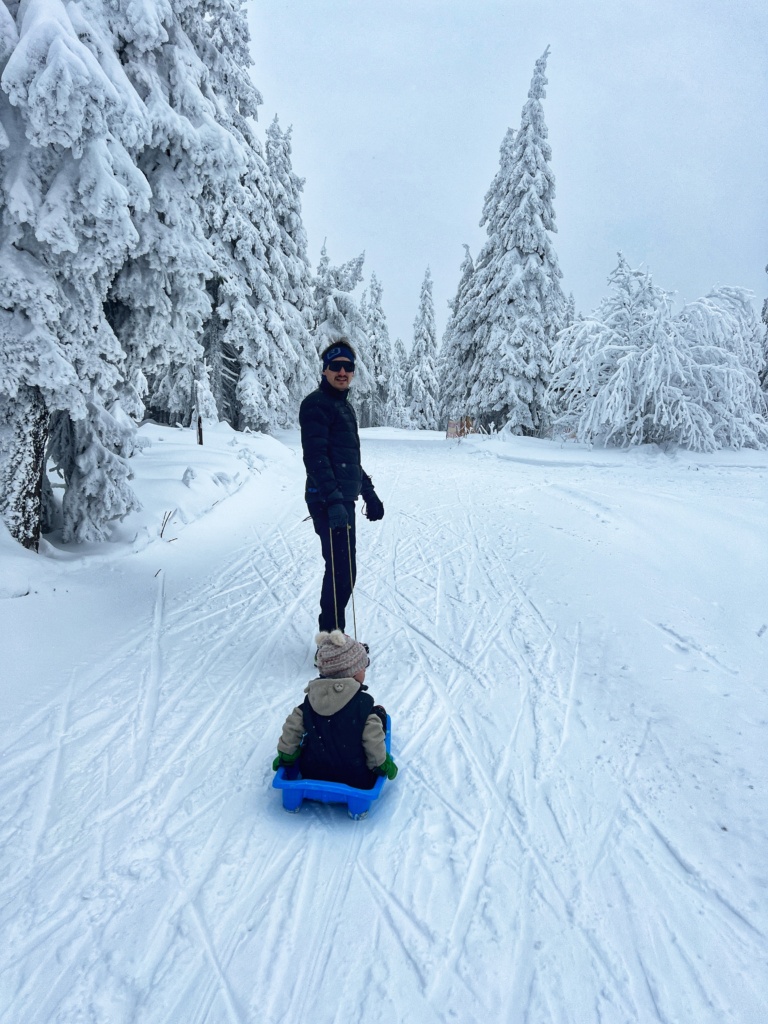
358 801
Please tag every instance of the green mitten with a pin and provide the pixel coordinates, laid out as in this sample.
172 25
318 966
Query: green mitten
389 768
285 760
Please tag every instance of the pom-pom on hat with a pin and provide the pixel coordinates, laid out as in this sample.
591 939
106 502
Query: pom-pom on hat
339 656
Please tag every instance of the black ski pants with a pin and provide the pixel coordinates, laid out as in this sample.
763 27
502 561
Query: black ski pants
332 613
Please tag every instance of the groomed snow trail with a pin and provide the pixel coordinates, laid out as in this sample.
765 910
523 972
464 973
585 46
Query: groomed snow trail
578 830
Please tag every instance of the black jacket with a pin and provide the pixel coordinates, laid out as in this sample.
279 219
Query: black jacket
333 745
330 445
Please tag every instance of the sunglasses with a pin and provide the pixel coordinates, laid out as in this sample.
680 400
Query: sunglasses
337 365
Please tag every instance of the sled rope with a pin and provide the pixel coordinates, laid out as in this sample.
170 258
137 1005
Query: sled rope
333 574
351 581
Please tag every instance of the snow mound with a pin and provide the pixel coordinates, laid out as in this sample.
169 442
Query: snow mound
179 481
18 566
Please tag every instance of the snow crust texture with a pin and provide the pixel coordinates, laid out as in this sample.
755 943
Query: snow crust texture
572 647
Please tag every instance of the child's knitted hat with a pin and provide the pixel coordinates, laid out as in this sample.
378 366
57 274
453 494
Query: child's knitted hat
339 656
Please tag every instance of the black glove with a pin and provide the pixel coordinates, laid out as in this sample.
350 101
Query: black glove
374 508
337 516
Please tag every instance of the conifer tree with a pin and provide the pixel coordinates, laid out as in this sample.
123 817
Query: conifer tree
764 360
396 414
456 352
297 307
337 315
223 362
159 301
209 276
378 353
421 383
515 307
722 338
205 401
569 311
245 338
635 372
463 337
363 307
335 311
364 394
249 283
139 226
595 354
69 122
496 200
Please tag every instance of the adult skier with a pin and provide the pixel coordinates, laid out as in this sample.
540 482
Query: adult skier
330 446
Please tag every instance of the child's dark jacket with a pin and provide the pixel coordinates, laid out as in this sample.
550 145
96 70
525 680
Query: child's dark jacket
343 741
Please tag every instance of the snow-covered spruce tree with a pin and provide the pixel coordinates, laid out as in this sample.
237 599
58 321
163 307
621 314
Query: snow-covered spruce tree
378 355
206 410
69 122
496 199
396 413
553 396
159 301
515 308
222 360
456 355
249 284
421 386
209 276
464 338
598 381
569 311
364 394
235 213
337 315
634 372
748 339
363 307
297 307
722 339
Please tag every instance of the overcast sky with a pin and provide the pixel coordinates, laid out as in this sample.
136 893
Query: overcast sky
656 112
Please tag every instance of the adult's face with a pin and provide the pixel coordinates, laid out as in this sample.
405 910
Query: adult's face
339 374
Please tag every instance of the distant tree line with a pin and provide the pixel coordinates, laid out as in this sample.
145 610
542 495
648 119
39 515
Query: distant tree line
153 259
516 358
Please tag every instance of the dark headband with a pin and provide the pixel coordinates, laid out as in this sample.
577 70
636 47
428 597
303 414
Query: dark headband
338 352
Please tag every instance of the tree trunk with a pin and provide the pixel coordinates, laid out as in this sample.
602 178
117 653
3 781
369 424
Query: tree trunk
22 478
197 414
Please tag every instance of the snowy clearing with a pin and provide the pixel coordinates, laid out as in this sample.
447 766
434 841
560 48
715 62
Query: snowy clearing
572 644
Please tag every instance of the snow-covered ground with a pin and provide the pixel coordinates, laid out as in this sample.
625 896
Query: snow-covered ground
573 646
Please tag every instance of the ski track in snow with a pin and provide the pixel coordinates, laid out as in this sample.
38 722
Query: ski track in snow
522 867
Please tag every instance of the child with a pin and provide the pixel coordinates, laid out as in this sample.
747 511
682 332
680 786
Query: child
337 734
